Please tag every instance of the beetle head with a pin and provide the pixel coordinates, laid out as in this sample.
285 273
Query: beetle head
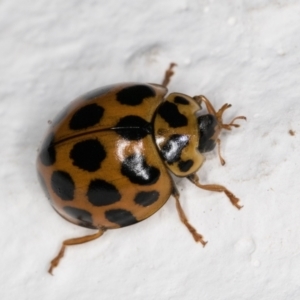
209 132
211 124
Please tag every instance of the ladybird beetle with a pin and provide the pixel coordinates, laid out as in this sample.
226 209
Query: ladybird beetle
106 159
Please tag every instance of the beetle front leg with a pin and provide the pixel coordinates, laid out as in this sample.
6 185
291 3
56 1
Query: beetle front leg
197 236
215 188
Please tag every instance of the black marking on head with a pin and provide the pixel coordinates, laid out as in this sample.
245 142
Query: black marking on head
185 165
206 146
136 169
81 215
170 113
101 193
48 153
133 128
86 116
171 150
88 155
181 100
207 124
146 198
134 95
43 185
63 185
121 217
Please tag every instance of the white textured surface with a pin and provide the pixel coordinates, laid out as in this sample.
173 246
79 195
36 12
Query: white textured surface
242 52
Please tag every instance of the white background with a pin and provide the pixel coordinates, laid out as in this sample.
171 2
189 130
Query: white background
243 52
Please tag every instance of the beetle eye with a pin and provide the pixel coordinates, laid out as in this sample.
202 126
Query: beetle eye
207 124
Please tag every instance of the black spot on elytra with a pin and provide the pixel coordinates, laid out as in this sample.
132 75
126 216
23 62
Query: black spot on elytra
207 124
43 185
121 217
88 155
134 95
146 198
185 165
86 116
63 185
136 169
181 100
171 150
133 128
101 193
48 153
81 215
170 113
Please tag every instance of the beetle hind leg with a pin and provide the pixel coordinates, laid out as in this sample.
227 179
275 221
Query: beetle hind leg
215 188
168 74
197 236
75 241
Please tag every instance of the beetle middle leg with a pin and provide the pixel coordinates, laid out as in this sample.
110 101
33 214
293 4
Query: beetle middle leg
168 74
215 188
197 236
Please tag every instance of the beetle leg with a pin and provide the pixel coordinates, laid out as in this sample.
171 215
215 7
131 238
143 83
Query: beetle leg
232 124
215 188
219 152
200 99
197 237
75 241
168 74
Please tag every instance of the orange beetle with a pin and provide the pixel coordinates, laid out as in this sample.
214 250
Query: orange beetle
106 159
